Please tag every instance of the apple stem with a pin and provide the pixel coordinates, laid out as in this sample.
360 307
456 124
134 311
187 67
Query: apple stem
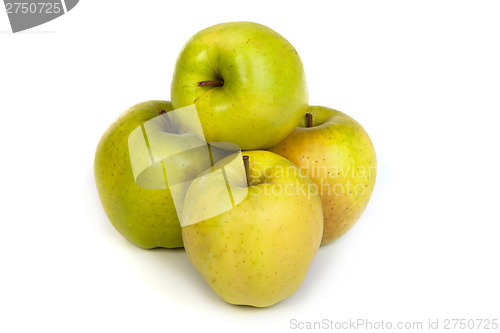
246 162
217 83
309 119
167 122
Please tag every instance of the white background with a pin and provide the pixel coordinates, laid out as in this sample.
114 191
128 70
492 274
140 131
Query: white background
422 77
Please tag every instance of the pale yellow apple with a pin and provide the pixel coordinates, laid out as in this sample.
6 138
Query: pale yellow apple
338 155
258 252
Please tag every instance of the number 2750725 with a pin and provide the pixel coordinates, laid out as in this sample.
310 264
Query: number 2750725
33 8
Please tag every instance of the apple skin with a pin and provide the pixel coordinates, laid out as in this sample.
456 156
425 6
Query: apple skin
264 93
257 253
145 216
338 155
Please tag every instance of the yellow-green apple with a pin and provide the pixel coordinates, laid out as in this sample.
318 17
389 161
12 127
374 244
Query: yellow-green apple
131 172
247 82
338 155
258 251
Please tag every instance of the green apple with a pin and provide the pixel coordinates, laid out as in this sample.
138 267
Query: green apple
256 252
338 155
247 82
130 173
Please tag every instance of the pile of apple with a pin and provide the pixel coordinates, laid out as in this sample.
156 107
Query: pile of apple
310 170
